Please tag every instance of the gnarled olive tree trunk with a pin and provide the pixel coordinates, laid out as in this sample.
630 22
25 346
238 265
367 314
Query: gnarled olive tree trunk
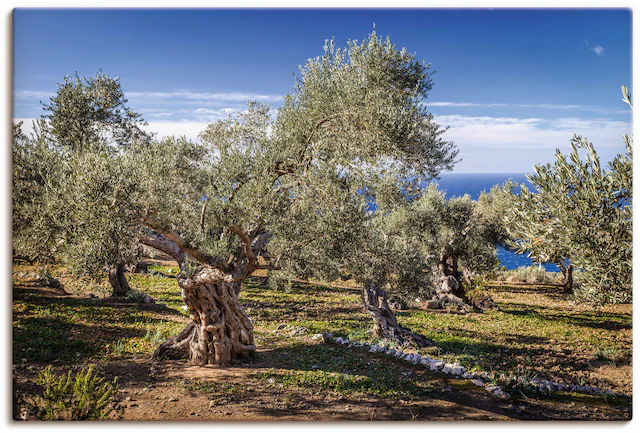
118 281
220 330
385 324
567 278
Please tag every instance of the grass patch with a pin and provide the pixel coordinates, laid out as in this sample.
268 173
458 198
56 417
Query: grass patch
536 329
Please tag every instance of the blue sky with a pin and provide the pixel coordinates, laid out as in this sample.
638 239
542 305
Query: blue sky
512 85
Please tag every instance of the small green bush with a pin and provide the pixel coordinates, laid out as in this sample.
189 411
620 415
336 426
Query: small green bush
135 296
88 397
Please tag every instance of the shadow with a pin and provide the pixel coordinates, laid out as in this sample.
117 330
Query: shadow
595 319
62 328
346 383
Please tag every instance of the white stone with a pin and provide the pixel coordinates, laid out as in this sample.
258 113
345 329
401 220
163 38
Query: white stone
478 382
457 369
339 340
436 365
501 394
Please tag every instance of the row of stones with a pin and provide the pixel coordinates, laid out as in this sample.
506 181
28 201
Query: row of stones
480 379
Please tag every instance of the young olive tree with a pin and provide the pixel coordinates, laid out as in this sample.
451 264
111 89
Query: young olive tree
581 211
84 119
535 230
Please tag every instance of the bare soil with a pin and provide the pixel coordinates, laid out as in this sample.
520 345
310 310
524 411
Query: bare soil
177 391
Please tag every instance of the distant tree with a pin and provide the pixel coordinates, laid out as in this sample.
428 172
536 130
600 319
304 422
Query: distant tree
90 112
459 236
581 211
260 191
86 119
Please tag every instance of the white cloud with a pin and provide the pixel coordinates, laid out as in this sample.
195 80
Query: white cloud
595 48
200 96
503 104
486 144
181 95
22 95
187 128
513 145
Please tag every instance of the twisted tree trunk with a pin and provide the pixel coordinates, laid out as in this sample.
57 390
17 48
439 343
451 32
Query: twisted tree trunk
567 278
118 281
220 330
385 324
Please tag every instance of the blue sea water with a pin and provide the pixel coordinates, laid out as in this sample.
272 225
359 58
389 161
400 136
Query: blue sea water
459 184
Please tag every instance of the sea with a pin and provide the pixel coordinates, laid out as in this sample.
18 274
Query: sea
459 184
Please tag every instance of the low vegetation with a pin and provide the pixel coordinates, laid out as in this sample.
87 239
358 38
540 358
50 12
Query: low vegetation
535 332
85 397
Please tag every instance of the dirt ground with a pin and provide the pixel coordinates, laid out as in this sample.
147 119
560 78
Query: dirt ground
156 391
176 391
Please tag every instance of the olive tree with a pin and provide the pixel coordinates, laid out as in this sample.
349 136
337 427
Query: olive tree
457 238
85 117
294 192
263 190
581 211
90 112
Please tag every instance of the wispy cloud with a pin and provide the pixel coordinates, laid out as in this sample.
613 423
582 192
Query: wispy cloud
511 144
22 95
181 95
595 48
174 106
504 104
203 96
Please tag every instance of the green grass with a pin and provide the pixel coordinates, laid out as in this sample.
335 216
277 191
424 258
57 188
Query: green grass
534 330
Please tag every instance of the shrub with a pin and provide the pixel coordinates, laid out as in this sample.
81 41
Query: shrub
88 397
477 294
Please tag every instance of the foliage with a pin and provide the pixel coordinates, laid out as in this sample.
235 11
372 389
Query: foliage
528 274
582 211
87 397
89 113
70 178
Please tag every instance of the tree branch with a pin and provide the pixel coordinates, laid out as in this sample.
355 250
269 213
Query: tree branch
162 243
181 244
252 244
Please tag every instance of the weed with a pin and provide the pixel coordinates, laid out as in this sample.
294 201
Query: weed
606 354
135 296
87 397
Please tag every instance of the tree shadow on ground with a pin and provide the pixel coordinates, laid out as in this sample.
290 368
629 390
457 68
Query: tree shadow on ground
595 319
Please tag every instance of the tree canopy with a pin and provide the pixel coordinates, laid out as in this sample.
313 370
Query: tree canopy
581 211
259 190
